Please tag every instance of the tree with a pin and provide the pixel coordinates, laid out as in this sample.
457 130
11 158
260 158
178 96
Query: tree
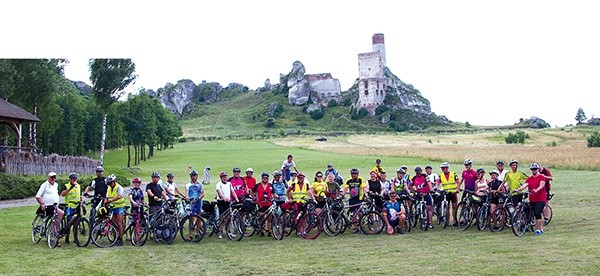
580 117
594 140
109 77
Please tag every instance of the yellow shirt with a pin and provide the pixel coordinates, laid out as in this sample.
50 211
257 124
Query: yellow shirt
378 169
355 186
514 179
320 189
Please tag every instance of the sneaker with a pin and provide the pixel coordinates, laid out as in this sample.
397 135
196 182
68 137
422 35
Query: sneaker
538 232
355 231
430 226
220 236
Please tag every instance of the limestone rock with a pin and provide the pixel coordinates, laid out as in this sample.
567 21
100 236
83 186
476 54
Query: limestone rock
273 109
177 97
386 117
313 107
83 87
533 122
300 85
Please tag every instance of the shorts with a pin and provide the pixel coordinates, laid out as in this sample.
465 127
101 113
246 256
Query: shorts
452 197
49 211
320 204
354 202
428 199
196 208
118 211
69 212
394 223
538 208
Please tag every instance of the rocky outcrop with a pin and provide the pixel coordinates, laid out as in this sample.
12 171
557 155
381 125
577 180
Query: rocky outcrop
83 87
533 122
176 97
300 85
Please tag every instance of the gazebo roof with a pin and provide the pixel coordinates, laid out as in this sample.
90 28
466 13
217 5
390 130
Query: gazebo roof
11 111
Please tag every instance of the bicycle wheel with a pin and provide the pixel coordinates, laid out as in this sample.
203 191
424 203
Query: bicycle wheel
519 223
310 226
248 223
105 233
288 222
233 229
372 223
81 232
333 224
423 217
37 228
443 216
277 227
498 220
53 233
547 214
465 217
173 229
139 232
192 228
414 214
482 218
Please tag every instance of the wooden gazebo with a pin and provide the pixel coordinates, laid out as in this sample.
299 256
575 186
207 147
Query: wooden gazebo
14 117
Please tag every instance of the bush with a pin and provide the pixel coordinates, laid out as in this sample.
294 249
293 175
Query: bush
332 103
270 123
517 138
381 109
360 114
594 140
316 114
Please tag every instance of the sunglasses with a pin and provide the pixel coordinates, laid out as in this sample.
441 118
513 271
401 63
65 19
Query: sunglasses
319 176
53 177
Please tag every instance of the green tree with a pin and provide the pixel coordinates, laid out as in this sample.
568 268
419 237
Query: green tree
580 116
109 78
594 140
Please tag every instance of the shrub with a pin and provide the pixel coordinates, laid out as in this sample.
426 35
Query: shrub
360 114
270 123
332 103
381 109
594 140
316 114
517 138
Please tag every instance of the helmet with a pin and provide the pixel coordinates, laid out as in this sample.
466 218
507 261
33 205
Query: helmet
428 167
300 174
378 161
249 170
73 176
192 173
353 170
534 166
319 173
404 167
170 175
111 178
223 174
514 161
264 174
155 174
418 169
500 162
236 169
481 170
99 169
136 180
293 173
400 170
207 168
329 165
494 172
276 173
467 161
102 211
445 165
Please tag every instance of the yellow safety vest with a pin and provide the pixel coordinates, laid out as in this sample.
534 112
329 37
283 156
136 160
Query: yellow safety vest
112 193
448 184
74 196
300 194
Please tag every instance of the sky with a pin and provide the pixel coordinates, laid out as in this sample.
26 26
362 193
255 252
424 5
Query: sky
485 62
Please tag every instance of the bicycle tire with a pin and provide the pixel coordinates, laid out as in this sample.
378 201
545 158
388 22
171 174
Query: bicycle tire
140 232
519 223
414 215
248 223
37 228
423 217
465 218
372 223
277 226
81 232
310 226
333 223
548 219
482 218
442 217
288 223
498 220
53 233
105 233
233 229
192 228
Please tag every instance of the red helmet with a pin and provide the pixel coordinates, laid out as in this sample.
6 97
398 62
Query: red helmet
136 180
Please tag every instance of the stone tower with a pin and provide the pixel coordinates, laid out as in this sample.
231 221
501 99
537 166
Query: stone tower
372 80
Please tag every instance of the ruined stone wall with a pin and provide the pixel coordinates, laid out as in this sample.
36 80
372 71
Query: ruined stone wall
371 94
327 88
379 46
370 66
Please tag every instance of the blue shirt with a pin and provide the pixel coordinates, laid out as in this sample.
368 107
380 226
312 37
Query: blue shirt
195 190
395 206
279 188
137 195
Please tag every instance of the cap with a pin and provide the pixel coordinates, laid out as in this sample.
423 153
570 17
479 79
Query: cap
51 174
249 170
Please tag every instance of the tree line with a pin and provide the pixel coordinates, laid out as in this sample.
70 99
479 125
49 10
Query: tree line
72 120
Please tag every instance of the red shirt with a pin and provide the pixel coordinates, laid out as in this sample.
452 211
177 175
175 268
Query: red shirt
533 183
469 177
250 182
239 186
264 194
420 181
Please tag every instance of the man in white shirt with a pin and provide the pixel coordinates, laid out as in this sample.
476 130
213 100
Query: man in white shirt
47 196
225 193
286 167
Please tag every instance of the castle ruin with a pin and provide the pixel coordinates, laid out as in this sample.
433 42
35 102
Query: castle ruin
372 81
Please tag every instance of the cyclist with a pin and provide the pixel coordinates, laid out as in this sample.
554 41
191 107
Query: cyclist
333 187
115 196
286 167
357 187
513 181
170 188
386 186
501 171
546 172
393 213
249 180
72 193
496 188
319 191
378 168
481 186
299 192
225 194
263 192
399 183
374 187
195 190
537 195
330 170
435 183
155 192
407 176
136 195
99 186
422 186
238 183
448 180
47 196
468 178
279 187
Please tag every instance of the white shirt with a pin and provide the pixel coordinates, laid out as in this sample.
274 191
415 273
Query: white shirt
225 189
433 178
287 165
502 175
48 193
168 186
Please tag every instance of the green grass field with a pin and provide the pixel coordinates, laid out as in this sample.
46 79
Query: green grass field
570 245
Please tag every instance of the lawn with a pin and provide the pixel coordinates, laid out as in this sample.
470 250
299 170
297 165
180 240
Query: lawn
570 245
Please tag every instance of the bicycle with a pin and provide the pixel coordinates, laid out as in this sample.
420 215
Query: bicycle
138 226
442 210
523 217
211 217
194 223
305 221
371 222
164 224
80 224
104 232
548 211
229 220
483 213
331 216
501 216
420 212
465 211
47 227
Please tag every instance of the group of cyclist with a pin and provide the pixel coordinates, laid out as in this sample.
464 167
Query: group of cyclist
291 186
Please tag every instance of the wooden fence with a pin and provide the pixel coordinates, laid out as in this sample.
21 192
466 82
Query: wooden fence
27 163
